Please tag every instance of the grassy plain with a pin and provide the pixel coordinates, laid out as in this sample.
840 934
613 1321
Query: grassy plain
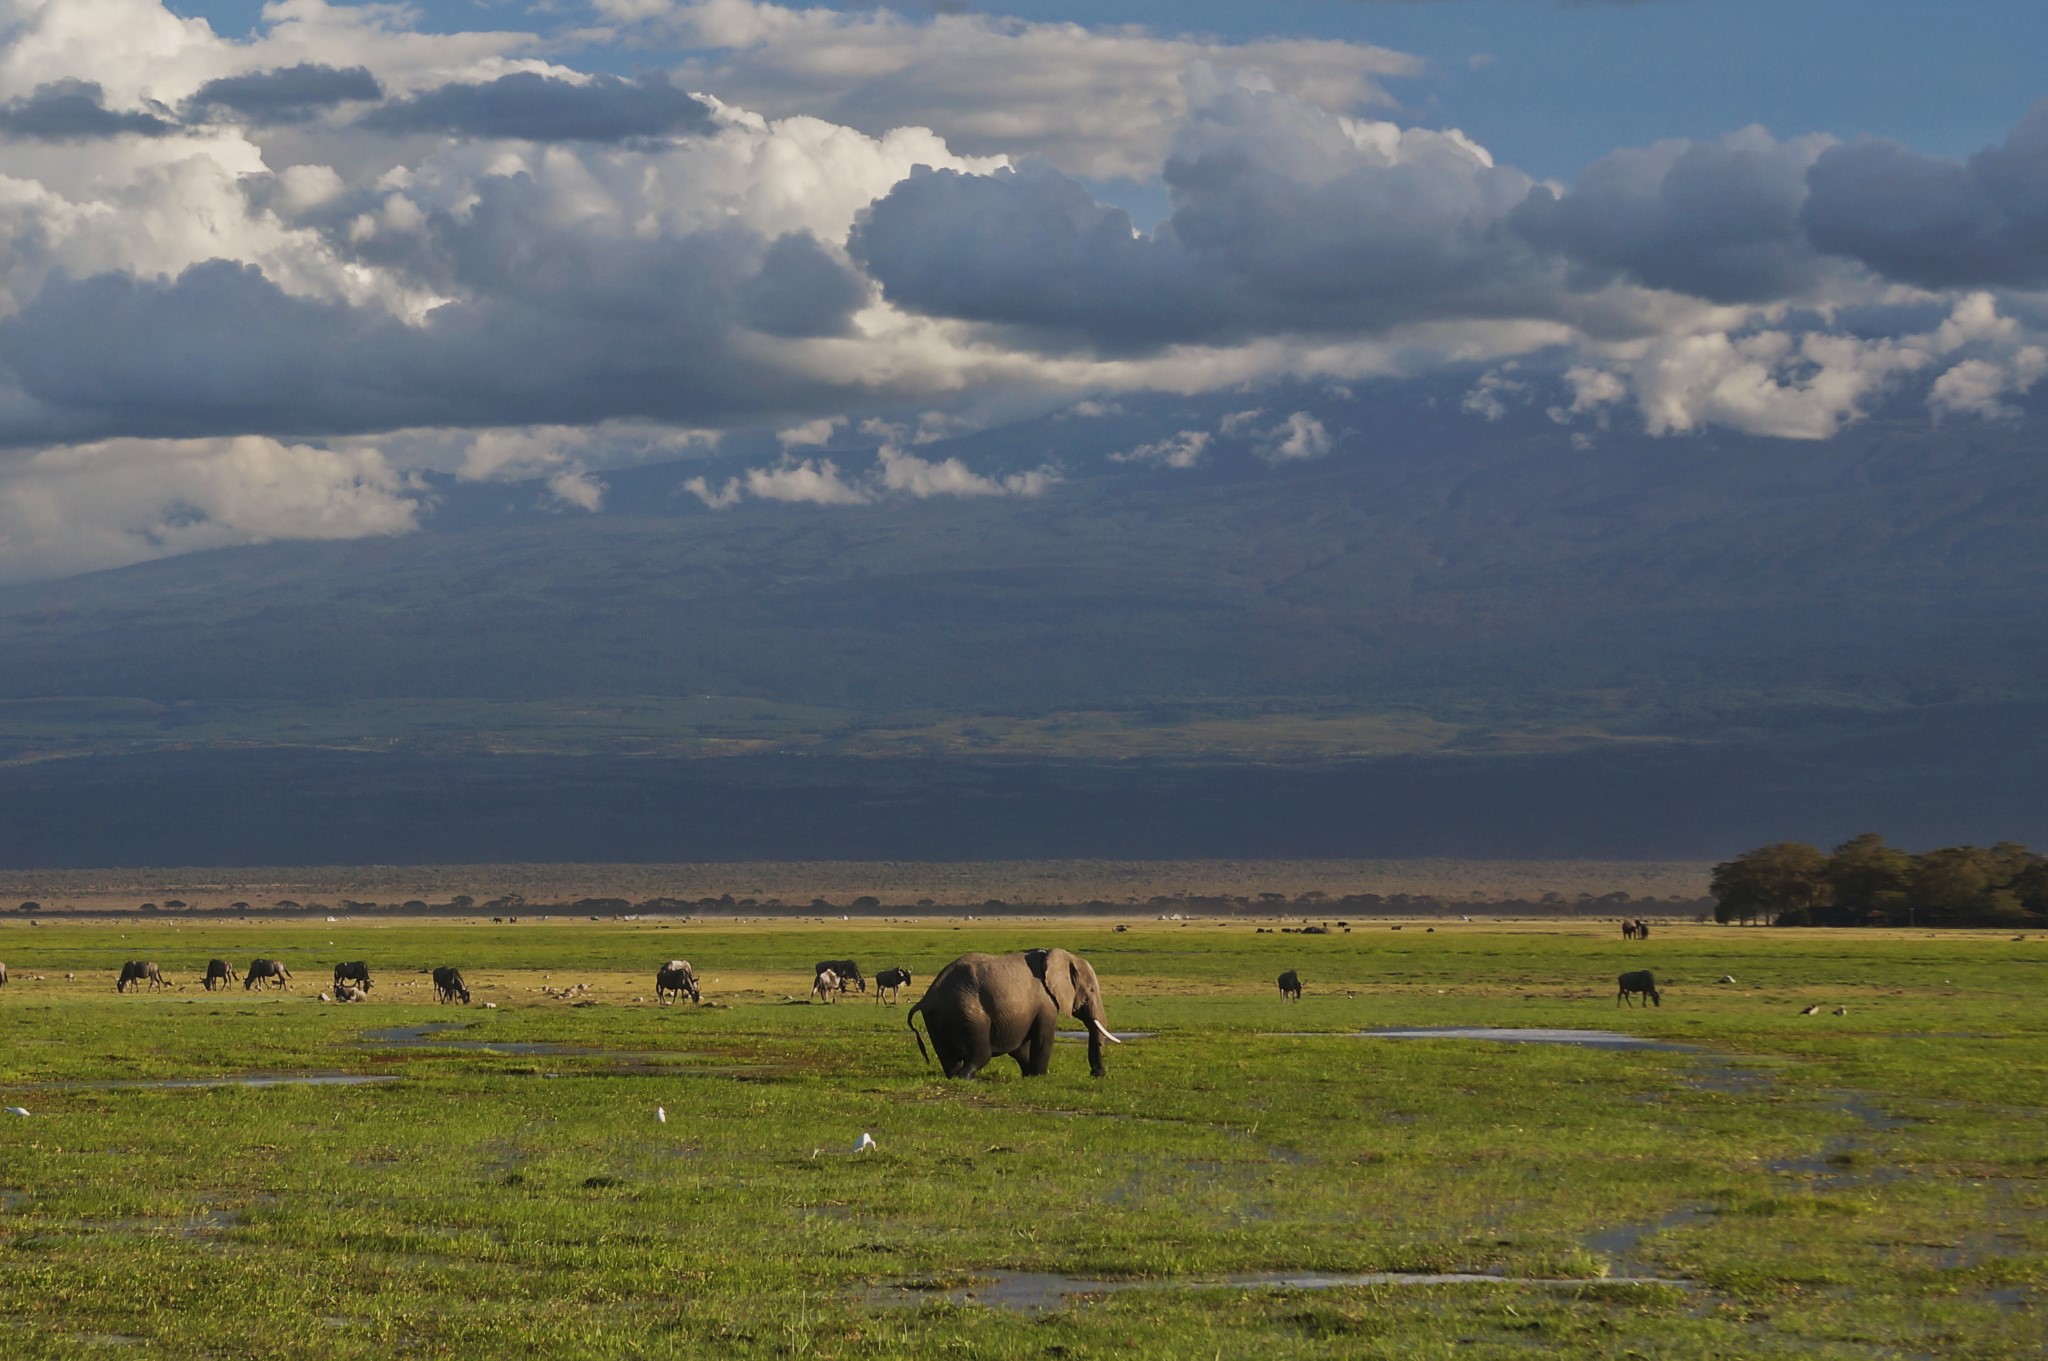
1868 1185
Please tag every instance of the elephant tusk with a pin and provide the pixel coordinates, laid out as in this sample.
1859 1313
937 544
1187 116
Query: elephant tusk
1103 1031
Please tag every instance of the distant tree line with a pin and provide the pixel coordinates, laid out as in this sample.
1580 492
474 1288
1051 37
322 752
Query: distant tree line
1864 882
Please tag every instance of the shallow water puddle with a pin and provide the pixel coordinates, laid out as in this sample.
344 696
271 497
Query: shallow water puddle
1038 1292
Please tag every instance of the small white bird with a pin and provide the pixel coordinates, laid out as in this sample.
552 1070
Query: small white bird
1727 978
17 1110
866 1144
1812 1010
661 1115
1841 1011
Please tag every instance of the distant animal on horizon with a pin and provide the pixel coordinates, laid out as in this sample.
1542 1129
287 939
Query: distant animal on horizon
673 980
220 972
266 972
891 981
448 985
826 986
1290 986
137 971
355 971
1638 981
846 971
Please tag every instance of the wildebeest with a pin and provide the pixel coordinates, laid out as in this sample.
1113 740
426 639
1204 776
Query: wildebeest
355 971
846 971
674 979
1638 981
266 972
1290 986
348 992
890 981
825 987
3 975
448 985
137 971
219 971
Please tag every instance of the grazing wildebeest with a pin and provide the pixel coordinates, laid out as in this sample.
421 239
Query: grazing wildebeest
219 971
674 979
137 971
890 981
1638 981
846 971
825 987
448 985
266 972
1290 986
355 971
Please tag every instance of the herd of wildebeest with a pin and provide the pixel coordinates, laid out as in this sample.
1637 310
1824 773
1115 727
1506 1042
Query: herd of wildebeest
975 1008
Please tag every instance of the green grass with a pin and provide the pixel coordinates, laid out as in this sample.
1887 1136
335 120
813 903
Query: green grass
1875 1181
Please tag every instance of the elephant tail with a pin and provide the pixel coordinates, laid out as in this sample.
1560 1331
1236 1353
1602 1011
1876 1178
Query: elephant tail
910 1019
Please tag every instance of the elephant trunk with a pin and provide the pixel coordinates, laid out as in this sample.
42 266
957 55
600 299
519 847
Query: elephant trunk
1097 1033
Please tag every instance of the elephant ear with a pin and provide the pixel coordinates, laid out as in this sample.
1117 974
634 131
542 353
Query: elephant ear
1054 969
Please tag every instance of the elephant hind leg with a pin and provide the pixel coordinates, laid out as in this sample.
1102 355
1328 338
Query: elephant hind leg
1034 1056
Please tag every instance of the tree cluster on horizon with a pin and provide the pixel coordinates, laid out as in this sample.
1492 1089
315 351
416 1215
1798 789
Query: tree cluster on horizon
1864 882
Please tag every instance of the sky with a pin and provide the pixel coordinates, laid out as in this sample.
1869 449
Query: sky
261 267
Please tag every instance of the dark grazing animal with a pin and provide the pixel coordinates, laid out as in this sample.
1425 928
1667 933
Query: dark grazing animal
355 971
266 972
1638 981
846 971
219 971
1290 986
137 971
448 985
674 979
891 981
1642 929
1628 928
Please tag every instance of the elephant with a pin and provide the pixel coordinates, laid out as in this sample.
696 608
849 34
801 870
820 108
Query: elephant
983 1005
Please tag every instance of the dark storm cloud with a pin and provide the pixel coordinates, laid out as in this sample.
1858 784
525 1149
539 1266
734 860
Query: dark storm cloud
1281 223
1938 223
290 94
1717 220
800 290
555 327
72 110
539 108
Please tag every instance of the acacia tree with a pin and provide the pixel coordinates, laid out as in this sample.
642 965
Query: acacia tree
1781 882
1866 876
